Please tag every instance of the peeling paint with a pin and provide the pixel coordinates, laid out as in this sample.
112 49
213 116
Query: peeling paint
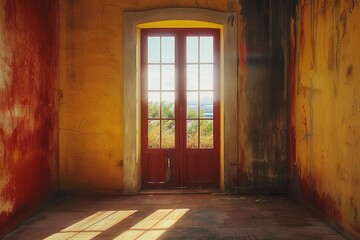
6 205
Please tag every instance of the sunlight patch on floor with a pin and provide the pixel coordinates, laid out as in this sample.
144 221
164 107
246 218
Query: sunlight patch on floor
92 226
153 226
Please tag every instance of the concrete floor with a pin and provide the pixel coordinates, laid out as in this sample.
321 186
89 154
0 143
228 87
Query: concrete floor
175 216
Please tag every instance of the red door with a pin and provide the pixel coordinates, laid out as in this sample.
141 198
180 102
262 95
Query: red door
180 135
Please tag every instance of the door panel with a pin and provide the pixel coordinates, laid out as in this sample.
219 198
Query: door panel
159 167
199 173
180 108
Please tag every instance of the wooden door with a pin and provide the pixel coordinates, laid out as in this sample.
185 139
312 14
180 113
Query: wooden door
180 108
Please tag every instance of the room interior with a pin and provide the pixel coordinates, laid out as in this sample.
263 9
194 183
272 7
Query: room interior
70 105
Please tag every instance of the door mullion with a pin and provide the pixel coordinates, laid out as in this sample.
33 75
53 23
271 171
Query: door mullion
182 102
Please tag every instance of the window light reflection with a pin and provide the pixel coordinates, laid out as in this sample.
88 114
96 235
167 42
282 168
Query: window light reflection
153 226
93 225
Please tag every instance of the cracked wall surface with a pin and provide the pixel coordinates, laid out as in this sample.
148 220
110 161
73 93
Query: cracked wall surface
29 51
325 111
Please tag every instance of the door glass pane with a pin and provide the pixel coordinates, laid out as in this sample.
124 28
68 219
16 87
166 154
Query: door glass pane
168 104
206 49
153 77
206 133
168 134
192 76
192 134
153 49
206 77
192 49
153 104
206 105
168 50
154 133
192 106
168 77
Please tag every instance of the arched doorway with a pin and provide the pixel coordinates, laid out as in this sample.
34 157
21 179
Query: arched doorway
133 23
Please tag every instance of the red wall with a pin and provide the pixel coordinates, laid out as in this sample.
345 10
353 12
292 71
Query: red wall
28 107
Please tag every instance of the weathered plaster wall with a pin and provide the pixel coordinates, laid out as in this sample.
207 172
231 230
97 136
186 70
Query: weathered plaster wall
29 37
263 96
91 107
325 108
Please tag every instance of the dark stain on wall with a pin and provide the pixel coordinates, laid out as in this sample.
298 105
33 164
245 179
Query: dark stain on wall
267 42
331 56
28 104
349 74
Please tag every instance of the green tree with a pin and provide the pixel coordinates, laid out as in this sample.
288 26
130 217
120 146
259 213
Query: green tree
167 131
167 110
153 110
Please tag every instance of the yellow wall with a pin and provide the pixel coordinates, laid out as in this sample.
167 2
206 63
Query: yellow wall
327 108
91 87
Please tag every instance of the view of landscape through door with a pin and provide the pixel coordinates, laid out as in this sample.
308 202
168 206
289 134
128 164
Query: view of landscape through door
180 108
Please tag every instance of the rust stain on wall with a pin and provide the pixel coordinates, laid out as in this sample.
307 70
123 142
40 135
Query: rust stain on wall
28 107
324 202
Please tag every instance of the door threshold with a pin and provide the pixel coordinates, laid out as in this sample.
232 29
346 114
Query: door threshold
180 191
